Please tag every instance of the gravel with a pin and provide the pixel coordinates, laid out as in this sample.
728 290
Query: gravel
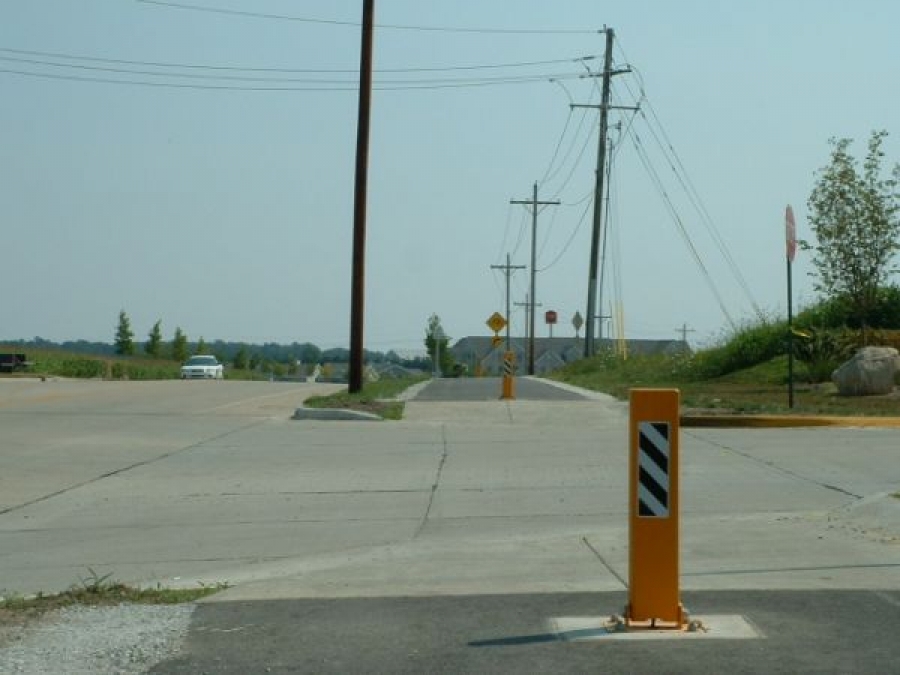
78 640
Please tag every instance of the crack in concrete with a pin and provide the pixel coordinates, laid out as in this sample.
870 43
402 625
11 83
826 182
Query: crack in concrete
774 467
124 469
609 568
437 480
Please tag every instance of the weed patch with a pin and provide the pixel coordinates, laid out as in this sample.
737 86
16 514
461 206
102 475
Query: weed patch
376 397
102 590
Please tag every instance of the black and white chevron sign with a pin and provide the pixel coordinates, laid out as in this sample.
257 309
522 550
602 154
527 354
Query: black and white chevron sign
653 469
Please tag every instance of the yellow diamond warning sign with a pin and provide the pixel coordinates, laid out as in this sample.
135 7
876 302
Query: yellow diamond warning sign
496 322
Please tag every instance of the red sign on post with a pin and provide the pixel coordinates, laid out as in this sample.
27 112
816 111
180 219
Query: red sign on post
550 317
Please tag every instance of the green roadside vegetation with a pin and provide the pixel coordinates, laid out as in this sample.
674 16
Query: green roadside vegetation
747 373
59 363
379 398
98 590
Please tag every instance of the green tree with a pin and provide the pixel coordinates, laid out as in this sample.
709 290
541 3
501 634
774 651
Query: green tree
241 358
854 216
201 346
153 346
436 339
124 336
179 345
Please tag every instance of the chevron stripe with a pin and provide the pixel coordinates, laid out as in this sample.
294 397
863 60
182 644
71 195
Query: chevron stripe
653 469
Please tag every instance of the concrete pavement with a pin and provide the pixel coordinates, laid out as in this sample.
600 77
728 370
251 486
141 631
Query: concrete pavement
472 512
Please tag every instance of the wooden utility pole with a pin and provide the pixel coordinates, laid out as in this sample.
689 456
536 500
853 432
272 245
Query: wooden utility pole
358 274
508 270
591 313
535 203
684 330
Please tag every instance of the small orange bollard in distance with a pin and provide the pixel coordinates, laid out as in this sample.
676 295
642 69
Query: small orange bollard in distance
653 583
508 390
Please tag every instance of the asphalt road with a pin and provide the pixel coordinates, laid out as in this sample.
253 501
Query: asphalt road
448 541
489 389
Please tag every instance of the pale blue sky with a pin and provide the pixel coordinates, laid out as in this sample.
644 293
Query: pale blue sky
228 212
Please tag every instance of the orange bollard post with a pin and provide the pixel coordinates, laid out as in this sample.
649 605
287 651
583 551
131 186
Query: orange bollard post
508 390
653 583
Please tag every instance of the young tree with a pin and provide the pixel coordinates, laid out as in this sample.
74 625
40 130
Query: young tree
240 359
855 220
124 336
179 345
153 346
201 346
436 339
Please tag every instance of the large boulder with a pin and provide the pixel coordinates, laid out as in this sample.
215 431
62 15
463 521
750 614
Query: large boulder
869 373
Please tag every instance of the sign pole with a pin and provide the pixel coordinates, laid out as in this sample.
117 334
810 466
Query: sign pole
790 338
790 229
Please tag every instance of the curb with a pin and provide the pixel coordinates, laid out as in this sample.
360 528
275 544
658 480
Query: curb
785 421
331 414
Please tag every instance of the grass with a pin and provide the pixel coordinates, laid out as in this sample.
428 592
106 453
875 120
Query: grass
58 363
376 397
95 590
760 389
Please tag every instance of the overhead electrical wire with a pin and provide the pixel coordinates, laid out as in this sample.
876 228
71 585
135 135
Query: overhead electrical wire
307 85
520 236
509 210
682 230
683 177
568 243
347 71
335 22
694 198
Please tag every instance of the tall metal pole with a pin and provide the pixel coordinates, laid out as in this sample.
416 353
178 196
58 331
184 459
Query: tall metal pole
790 310
358 279
592 311
535 203
508 305
507 270
533 294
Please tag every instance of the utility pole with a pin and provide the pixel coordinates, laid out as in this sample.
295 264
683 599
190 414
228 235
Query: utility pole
529 312
605 107
684 330
508 270
358 274
535 203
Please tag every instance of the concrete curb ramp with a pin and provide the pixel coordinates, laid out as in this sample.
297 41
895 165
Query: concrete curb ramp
785 421
331 414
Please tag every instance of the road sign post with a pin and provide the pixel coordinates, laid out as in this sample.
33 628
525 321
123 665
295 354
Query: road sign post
790 236
653 501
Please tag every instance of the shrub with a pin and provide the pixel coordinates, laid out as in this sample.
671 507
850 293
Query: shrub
80 368
822 351
747 347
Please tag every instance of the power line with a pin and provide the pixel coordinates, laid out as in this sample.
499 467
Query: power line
250 78
313 85
571 237
348 71
334 22
684 179
682 230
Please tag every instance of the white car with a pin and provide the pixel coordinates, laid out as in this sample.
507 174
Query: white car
202 367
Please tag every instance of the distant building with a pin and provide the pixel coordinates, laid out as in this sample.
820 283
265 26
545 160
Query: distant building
479 355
